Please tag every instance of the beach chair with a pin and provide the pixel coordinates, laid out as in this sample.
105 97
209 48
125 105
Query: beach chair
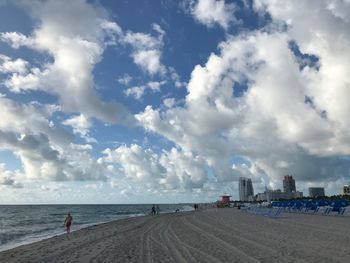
328 210
279 211
342 211
316 210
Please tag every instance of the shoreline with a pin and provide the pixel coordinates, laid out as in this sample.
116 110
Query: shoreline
27 240
54 233
210 235
30 239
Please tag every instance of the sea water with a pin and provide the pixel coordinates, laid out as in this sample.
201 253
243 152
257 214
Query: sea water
24 224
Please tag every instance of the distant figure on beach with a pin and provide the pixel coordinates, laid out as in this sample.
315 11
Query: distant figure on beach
157 209
153 211
177 210
68 222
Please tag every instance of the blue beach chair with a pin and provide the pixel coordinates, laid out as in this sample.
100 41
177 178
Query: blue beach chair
342 211
328 210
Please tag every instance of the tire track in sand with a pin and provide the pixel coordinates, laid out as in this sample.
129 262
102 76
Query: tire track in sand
145 250
230 249
205 257
172 249
264 252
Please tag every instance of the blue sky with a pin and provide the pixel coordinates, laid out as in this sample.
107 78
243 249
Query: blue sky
141 101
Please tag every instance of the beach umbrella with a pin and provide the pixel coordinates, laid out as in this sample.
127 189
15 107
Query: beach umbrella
309 204
340 203
295 203
298 204
290 204
322 202
284 203
276 204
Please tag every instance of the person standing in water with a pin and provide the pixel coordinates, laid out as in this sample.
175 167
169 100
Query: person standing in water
68 222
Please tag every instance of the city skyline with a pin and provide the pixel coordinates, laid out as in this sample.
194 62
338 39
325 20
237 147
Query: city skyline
139 101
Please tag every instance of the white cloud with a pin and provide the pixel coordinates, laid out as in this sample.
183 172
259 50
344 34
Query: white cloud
136 92
149 61
212 12
252 99
169 102
19 75
43 160
173 170
16 39
269 123
155 85
75 48
147 50
7 65
125 79
18 83
81 125
46 151
139 91
176 78
9 178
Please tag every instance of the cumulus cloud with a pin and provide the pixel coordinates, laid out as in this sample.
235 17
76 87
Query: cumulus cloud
8 178
253 100
7 65
44 148
16 39
147 50
176 78
139 91
27 118
169 102
149 60
41 161
19 74
46 151
213 12
75 48
125 79
167 171
81 125
260 98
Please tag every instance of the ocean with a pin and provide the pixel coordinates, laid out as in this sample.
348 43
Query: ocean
24 224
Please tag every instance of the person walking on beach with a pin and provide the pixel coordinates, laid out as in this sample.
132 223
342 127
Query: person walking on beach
157 209
153 212
68 222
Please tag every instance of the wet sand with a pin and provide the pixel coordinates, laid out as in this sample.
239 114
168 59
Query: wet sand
213 235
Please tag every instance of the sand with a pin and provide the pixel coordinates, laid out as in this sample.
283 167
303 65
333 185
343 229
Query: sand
212 235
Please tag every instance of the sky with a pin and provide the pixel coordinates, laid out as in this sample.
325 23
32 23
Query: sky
171 101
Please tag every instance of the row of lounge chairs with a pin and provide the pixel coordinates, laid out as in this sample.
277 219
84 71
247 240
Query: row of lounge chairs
321 206
314 206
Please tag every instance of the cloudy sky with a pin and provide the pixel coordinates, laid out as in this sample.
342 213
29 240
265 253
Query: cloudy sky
171 101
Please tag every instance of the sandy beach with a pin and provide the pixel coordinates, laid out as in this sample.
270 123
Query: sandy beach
213 235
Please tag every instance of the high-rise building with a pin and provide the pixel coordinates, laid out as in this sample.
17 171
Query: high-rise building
346 189
288 184
316 191
245 188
